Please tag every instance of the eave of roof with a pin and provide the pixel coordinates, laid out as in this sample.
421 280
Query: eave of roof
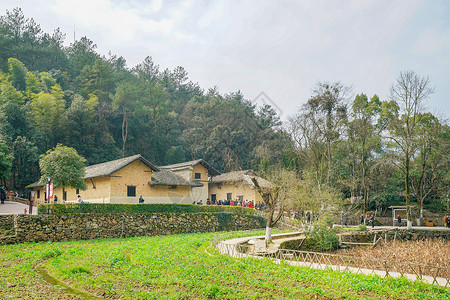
35 184
184 165
242 177
110 167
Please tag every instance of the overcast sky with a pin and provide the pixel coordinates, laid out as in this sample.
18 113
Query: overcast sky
281 48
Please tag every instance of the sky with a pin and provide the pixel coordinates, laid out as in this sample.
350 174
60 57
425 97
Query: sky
274 52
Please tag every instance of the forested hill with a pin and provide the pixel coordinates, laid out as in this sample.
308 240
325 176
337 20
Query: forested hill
73 95
337 145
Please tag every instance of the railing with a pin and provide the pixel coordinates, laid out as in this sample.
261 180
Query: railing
17 199
317 260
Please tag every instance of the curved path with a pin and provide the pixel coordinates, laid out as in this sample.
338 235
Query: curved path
15 208
230 247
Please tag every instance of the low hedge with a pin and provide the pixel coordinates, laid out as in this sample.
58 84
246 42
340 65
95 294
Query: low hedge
74 208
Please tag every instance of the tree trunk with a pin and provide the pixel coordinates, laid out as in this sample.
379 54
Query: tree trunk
269 225
329 163
268 236
352 192
124 130
408 209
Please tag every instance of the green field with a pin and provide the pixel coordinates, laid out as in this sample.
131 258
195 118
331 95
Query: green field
182 266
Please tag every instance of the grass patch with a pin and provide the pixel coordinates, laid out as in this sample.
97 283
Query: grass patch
183 266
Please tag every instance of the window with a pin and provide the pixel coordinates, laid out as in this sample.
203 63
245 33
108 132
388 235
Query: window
213 197
131 191
78 191
241 198
229 196
198 175
38 194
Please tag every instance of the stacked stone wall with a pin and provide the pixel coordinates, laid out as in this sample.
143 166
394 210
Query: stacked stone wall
36 228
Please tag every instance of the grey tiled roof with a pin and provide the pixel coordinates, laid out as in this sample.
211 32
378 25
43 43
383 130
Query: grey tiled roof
169 178
243 177
212 171
107 168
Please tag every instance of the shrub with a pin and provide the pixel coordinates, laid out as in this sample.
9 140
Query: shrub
362 227
323 236
75 208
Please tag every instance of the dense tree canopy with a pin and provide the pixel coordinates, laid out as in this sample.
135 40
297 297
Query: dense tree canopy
52 94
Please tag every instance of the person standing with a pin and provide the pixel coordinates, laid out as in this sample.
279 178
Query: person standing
399 220
308 217
2 195
362 219
372 220
56 199
141 200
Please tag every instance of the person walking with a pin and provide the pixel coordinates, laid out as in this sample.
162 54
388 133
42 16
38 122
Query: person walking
362 219
372 220
55 199
447 221
308 217
399 221
141 200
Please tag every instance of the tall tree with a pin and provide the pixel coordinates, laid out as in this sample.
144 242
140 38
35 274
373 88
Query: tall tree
123 100
25 167
5 161
403 116
365 114
327 111
431 162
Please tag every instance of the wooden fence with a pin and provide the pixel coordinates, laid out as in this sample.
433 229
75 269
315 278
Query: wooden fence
437 275
18 199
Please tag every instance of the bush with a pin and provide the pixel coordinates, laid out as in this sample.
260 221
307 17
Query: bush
362 227
76 208
323 236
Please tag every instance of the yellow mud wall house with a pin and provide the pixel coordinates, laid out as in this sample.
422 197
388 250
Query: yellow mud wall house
198 171
123 181
237 186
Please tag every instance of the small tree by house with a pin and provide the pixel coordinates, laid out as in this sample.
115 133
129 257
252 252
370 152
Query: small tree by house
64 166
274 199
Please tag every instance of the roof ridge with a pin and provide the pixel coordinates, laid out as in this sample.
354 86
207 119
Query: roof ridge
116 160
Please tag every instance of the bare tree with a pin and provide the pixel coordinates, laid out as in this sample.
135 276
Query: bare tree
409 93
274 199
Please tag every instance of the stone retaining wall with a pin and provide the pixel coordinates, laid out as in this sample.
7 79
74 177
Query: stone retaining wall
35 228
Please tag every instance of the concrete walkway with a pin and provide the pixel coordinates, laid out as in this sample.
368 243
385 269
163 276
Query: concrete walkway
15 208
230 247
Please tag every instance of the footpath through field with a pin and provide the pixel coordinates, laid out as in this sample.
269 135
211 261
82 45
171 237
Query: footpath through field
231 247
